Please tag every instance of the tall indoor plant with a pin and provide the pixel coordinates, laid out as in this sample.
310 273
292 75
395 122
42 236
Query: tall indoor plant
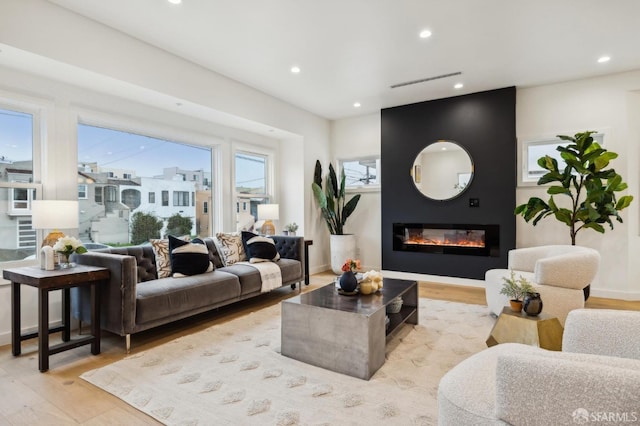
585 179
335 210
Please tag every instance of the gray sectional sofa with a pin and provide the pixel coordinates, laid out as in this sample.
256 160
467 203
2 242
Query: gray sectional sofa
136 299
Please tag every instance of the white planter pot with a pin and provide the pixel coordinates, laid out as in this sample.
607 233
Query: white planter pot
343 247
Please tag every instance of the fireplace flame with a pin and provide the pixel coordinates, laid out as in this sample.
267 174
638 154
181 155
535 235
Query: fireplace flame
444 242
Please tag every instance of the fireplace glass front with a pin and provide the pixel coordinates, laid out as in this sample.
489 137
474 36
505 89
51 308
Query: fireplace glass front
474 240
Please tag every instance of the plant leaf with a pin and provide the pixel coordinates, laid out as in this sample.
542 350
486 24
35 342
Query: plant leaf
317 174
553 190
624 202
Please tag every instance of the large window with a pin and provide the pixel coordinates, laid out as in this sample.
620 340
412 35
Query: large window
128 169
17 188
252 186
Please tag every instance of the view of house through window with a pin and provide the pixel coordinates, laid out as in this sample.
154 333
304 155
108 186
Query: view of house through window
17 238
122 175
251 174
361 172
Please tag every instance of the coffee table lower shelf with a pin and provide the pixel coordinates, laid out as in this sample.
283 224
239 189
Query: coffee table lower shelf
407 314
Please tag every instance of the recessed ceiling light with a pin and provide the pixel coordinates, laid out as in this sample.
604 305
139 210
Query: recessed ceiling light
295 69
458 86
603 59
175 1
356 104
425 34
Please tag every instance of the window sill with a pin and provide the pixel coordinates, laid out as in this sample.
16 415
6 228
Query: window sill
362 189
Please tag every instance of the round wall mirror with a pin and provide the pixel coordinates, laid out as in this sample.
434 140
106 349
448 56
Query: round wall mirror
442 170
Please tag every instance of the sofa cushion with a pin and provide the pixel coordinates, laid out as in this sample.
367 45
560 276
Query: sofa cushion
290 269
188 258
163 258
258 248
231 247
250 281
167 297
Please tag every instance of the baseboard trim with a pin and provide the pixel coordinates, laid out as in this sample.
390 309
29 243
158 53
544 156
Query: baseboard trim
468 282
630 296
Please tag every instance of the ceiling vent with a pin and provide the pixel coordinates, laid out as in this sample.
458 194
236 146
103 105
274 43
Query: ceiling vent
422 80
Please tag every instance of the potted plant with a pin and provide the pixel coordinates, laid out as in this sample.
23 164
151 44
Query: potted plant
585 180
516 289
335 210
290 229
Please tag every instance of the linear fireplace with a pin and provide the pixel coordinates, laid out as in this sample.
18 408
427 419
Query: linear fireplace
473 240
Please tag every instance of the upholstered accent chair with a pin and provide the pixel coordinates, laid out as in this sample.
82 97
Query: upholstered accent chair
558 272
597 373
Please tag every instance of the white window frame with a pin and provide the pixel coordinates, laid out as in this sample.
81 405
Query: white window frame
86 188
360 188
39 109
524 178
166 132
270 167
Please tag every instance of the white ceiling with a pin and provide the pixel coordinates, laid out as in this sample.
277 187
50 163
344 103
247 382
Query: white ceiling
354 50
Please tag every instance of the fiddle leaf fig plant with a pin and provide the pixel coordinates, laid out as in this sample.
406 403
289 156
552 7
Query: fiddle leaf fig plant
332 201
590 186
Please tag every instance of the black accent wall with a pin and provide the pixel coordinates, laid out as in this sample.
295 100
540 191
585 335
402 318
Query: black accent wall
485 124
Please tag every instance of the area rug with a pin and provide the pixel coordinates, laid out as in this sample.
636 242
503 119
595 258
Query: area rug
234 374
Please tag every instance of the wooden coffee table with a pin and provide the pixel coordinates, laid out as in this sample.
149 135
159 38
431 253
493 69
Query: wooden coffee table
544 330
345 334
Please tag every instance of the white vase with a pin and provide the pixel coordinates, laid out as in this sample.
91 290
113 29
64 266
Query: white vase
343 247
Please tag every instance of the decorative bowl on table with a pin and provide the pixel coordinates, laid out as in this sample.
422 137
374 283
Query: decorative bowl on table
395 305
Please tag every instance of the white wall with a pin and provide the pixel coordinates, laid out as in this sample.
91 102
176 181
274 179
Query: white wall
353 138
74 65
610 103
606 104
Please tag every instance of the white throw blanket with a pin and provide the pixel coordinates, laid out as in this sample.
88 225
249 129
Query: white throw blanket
269 273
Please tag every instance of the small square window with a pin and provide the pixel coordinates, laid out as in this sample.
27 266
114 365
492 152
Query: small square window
532 150
82 191
361 173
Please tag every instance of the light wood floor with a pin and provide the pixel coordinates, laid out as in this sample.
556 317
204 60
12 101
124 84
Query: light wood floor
60 397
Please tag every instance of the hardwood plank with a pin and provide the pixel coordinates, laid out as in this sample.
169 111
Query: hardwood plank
121 416
41 414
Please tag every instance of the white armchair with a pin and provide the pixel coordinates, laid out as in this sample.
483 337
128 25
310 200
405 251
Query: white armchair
597 373
558 272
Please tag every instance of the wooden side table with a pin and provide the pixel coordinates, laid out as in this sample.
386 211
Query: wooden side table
544 330
46 281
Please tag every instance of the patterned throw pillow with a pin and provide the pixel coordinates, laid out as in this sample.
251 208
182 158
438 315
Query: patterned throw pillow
163 260
259 249
231 247
189 258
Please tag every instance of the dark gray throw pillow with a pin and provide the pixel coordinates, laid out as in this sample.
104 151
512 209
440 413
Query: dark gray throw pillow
188 258
258 248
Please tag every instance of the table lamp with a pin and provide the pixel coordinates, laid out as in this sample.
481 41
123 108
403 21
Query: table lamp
268 212
54 215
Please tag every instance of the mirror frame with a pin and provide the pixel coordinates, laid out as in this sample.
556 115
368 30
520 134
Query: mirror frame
416 171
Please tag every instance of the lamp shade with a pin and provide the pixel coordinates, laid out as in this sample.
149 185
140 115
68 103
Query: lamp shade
54 214
268 212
